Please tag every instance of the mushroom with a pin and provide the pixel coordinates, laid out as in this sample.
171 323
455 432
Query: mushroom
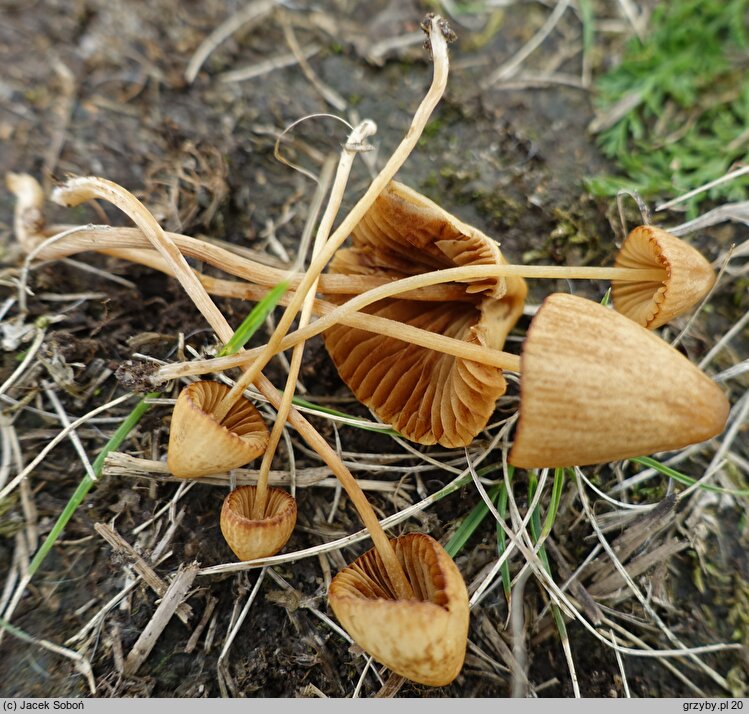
428 397
250 537
597 387
199 444
688 277
423 639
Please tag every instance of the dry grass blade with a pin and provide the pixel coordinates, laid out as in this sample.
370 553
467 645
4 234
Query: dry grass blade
173 598
252 12
121 546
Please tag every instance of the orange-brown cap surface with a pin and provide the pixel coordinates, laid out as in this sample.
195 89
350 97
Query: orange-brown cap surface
427 396
688 277
199 445
597 387
422 639
249 538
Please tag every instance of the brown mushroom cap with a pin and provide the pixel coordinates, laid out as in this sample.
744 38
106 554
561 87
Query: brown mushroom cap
199 445
597 387
688 277
422 639
427 396
250 539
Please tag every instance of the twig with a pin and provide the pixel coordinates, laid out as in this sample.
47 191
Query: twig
121 546
65 421
57 439
170 603
730 176
210 606
242 74
508 68
329 95
80 662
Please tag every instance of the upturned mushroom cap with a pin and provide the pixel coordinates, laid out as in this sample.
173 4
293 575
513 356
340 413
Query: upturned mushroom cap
250 539
422 639
199 445
688 277
427 396
596 387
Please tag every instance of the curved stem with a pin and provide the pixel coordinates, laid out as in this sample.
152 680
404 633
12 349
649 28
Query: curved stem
382 544
83 189
424 111
349 314
105 240
356 138
343 315
78 190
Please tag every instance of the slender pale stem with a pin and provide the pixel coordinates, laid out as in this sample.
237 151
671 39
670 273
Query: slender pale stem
346 314
83 189
78 190
356 138
430 101
261 489
110 240
342 314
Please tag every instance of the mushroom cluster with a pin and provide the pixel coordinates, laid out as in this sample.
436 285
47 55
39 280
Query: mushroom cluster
596 385
417 311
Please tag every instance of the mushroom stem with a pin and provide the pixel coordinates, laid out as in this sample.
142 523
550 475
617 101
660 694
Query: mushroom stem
347 314
342 314
424 111
110 240
346 161
78 190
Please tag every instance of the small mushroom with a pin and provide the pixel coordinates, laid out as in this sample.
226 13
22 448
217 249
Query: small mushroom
427 396
597 387
688 277
199 444
423 639
251 538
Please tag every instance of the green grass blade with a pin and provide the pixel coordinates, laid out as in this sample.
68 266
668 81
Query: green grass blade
535 525
85 485
256 318
502 498
586 16
297 401
684 479
243 333
16 632
556 496
470 523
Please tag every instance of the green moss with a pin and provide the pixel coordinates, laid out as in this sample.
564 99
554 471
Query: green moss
689 97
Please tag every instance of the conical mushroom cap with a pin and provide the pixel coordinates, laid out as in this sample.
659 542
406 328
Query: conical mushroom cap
596 387
427 396
250 539
199 445
688 277
422 639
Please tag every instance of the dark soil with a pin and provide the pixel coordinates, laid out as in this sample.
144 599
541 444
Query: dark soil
95 87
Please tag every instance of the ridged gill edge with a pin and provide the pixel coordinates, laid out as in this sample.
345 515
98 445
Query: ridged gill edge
426 396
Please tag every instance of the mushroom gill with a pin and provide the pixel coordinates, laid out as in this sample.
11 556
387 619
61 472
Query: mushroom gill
200 445
426 396
423 639
653 303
